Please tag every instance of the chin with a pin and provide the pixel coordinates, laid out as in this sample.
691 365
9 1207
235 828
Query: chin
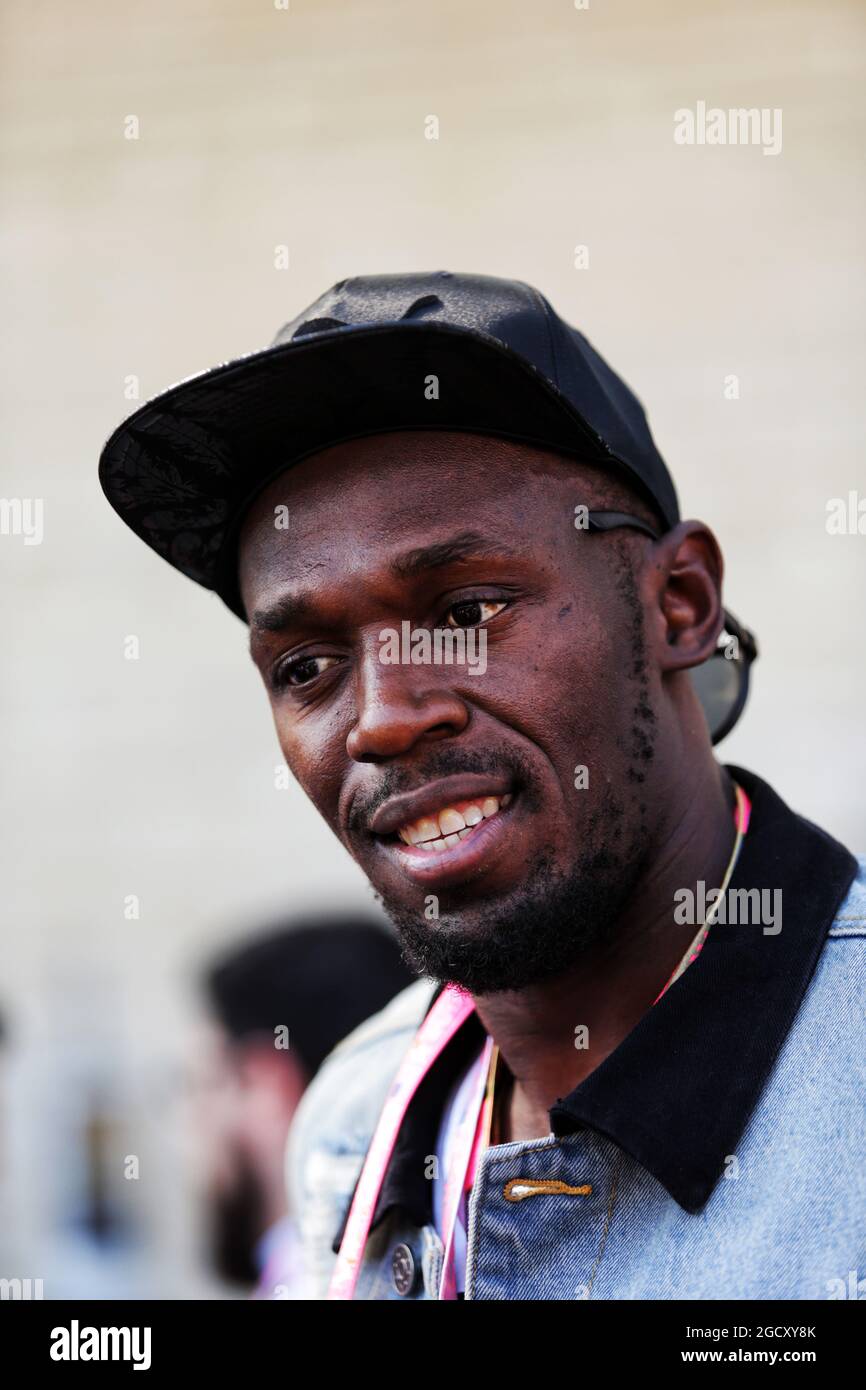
545 929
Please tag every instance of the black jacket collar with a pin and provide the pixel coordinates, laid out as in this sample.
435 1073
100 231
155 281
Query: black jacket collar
677 1092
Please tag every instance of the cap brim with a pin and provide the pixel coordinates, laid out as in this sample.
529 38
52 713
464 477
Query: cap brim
183 469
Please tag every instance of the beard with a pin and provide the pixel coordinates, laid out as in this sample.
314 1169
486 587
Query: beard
553 923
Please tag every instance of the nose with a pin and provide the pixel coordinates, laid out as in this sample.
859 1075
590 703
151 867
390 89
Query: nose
400 706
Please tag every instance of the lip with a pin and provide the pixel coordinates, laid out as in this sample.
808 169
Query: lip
468 859
435 796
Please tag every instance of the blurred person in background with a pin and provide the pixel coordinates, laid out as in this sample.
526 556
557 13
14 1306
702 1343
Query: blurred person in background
279 1004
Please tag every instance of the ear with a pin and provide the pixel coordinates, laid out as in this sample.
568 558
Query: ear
685 595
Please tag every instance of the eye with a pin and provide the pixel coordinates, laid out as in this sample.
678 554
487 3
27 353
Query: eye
471 612
302 670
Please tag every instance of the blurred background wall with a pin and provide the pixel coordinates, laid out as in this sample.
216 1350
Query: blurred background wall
130 263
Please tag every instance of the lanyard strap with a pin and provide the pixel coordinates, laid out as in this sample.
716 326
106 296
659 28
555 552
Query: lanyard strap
469 1140
449 1012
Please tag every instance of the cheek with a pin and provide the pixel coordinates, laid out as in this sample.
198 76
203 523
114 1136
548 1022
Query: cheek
315 753
566 690
583 712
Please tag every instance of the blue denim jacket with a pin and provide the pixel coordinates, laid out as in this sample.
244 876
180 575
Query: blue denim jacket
783 1219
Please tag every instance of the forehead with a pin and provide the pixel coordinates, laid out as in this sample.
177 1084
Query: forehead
355 505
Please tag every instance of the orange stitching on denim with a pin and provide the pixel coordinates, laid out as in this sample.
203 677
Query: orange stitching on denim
517 1189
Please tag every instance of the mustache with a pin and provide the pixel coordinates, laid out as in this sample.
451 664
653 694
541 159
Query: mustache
446 763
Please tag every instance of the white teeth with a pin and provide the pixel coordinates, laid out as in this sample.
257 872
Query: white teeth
450 821
420 830
424 829
450 825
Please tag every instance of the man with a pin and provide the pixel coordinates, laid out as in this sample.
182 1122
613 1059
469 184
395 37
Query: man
279 1004
637 1072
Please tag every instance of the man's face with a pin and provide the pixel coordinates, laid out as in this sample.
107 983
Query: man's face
527 869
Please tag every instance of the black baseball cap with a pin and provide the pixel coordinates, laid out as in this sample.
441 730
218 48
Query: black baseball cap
374 354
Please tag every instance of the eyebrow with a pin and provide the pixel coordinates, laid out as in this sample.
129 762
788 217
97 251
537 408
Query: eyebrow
293 609
282 613
468 545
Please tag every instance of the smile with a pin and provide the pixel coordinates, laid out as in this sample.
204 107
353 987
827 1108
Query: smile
449 831
460 840
446 828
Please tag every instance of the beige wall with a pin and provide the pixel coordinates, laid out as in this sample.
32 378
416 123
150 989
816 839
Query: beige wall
155 257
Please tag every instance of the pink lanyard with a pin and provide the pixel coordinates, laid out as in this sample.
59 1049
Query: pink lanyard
449 1012
470 1138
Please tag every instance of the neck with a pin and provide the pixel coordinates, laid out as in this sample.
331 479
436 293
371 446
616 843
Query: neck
553 1034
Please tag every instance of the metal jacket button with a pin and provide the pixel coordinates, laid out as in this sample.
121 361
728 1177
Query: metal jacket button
403 1270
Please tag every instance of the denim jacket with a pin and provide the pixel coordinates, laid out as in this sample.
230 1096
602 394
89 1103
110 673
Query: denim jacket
722 1141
